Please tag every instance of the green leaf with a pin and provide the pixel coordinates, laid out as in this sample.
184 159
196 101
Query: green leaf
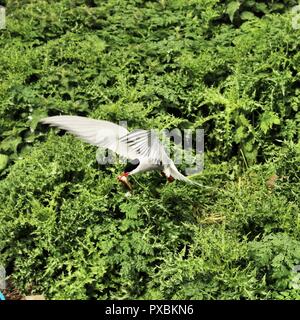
247 15
10 144
232 8
261 7
240 134
3 161
267 120
35 117
277 7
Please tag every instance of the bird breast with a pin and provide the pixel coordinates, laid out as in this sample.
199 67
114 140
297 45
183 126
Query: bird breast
146 165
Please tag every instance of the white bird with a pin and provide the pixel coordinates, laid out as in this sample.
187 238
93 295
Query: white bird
142 147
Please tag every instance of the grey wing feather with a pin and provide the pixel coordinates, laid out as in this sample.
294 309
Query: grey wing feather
99 133
147 145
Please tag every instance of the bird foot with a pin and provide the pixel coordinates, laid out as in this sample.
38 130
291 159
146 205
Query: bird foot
170 178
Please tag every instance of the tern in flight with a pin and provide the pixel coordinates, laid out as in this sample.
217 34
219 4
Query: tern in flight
141 147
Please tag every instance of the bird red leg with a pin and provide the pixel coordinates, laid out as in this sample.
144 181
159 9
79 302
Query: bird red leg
123 179
170 179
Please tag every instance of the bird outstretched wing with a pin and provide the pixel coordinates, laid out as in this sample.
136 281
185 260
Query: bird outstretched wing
99 133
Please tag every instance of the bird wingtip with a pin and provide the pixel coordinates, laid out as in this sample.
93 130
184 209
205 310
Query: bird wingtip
47 120
51 120
43 120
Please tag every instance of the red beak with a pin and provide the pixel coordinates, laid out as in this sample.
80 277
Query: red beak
123 178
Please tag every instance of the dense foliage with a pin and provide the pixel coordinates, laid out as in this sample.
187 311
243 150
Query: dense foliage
67 228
